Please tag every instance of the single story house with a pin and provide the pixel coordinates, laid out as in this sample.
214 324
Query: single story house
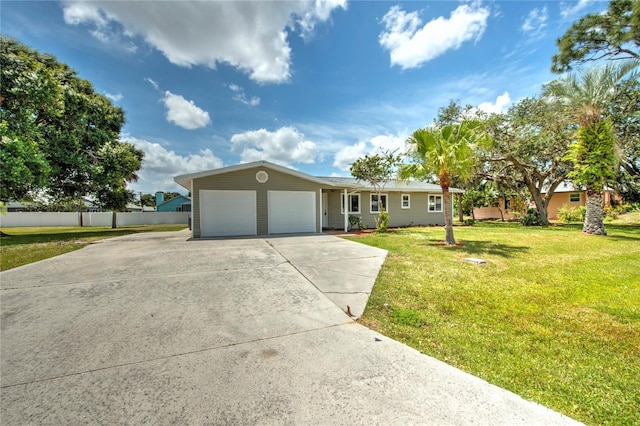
564 195
175 204
263 198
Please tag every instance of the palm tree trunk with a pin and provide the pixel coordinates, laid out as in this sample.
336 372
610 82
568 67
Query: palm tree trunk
448 216
593 223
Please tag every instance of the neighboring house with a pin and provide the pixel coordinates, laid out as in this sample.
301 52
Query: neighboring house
176 204
262 198
565 194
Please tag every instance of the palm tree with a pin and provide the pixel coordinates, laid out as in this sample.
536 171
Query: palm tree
587 95
446 152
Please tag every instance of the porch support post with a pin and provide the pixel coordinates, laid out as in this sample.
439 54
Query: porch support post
346 210
321 211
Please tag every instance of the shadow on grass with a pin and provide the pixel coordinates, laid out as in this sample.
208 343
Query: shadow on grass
478 248
21 239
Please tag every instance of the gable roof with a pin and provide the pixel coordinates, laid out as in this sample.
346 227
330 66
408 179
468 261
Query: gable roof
174 200
332 182
185 180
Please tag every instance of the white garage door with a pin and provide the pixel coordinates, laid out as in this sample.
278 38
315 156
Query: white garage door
292 212
227 213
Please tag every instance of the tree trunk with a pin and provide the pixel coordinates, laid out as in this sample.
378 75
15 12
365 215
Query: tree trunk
593 223
542 209
114 219
448 216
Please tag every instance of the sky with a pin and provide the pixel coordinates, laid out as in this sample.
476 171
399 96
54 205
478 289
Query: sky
310 85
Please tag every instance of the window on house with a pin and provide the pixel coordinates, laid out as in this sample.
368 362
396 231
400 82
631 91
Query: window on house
406 201
354 203
507 203
574 197
376 205
435 203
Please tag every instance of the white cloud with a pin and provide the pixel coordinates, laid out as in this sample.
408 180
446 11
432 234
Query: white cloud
115 98
251 36
152 82
411 45
535 21
348 154
497 107
567 10
160 165
184 113
320 12
284 146
241 97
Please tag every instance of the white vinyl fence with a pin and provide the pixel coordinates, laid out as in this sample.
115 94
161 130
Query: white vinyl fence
16 219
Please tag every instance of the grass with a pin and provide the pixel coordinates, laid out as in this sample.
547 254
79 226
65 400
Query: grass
554 314
22 246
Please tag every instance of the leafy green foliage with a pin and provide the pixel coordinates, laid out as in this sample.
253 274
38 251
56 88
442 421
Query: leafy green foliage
377 170
448 152
356 221
531 218
612 35
382 221
56 126
587 95
568 214
528 156
624 112
593 156
22 165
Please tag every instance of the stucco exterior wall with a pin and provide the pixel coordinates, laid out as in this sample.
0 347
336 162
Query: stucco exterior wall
416 215
559 199
246 180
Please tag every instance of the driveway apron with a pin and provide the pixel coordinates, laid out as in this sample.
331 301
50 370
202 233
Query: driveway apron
157 328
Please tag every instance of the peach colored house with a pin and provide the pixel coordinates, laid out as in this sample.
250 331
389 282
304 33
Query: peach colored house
565 194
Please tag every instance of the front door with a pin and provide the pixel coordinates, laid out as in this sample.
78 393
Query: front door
325 210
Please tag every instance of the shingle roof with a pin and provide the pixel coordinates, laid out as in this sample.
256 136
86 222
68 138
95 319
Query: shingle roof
332 181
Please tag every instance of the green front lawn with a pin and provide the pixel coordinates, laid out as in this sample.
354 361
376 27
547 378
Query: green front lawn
22 246
554 314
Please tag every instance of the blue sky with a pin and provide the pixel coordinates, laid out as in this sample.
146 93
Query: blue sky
311 85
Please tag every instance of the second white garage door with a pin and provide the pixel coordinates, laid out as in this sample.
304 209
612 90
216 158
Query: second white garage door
227 213
292 212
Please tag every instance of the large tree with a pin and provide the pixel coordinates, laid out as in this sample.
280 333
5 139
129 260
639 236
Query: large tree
587 95
528 156
447 152
54 125
614 34
625 114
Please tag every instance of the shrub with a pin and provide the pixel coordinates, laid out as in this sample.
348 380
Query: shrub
532 218
470 222
569 214
382 222
356 222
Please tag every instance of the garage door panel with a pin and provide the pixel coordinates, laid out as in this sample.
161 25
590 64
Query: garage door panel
227 213
292 212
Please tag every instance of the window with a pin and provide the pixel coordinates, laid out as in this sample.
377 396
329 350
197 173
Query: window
354 203
507 203
435 203
375 205
406 201
574 197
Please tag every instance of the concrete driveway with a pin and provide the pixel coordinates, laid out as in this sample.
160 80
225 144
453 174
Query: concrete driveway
153 328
